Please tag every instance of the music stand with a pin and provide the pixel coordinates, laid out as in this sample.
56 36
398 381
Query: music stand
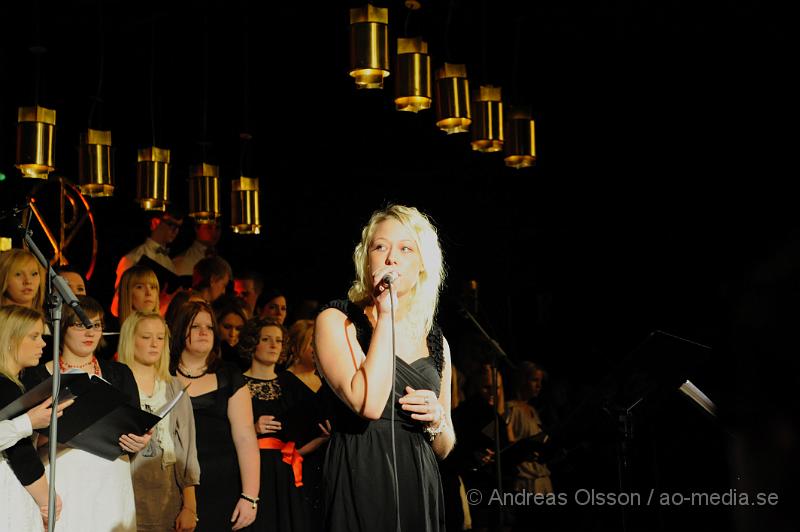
58 292
660 365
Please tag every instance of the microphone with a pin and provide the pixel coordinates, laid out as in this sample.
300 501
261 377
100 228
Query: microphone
389 278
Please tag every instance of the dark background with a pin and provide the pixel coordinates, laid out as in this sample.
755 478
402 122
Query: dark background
661 198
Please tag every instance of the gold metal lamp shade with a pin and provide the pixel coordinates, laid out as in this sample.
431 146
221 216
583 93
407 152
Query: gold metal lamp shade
95 164
369 46
152 179
452 99
35 141
413 86
204 193
245 214
520 145
487 129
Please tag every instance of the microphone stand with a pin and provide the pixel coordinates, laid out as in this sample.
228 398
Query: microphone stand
497 353
57 291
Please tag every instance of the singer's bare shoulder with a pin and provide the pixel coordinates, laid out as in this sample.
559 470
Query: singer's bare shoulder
335 337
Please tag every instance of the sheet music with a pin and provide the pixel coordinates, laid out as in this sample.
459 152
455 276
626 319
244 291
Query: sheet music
167 408
696 395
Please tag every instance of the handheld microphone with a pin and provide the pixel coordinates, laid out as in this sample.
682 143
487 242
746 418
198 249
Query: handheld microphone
389 278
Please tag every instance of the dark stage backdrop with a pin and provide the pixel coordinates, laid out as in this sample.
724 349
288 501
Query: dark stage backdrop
660 199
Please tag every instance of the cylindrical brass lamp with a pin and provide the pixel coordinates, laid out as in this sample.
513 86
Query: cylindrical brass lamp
245 214
95 164
413 85
369 46
204 193
487 129
152 179
520 145
36 131
452 99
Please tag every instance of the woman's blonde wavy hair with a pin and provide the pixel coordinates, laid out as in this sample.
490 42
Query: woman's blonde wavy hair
425 295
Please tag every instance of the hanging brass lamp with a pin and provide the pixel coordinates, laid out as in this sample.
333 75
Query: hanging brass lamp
204 193
245 214
152 179
413 85
520 145
452 99
36 130
487 128
95 164
369 46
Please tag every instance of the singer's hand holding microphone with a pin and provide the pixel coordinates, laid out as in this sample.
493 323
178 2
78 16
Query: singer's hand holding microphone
381 279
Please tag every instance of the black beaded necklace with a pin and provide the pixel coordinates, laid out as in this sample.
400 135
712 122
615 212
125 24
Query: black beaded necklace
189 376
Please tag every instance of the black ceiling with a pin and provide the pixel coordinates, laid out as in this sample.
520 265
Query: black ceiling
657 124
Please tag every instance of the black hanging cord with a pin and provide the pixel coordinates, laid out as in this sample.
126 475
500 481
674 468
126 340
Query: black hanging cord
153 80
204 138
38 50
245 136
97 99
515 63
392 395
447 22
485 42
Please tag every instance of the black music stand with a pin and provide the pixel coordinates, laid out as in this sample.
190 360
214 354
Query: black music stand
659 366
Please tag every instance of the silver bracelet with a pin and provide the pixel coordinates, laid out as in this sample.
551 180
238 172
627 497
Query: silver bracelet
432 432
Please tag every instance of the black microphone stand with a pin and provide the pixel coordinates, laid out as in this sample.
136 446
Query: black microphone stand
497 354
57 291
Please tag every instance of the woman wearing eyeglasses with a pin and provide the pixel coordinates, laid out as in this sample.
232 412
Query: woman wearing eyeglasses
97 493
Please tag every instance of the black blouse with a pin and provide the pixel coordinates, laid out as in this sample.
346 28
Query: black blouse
22 457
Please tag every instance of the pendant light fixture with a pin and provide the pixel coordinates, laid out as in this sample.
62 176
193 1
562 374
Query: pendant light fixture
95 164
152 179
245 215
487 129
452 99
153 166
520 144
36 130
204 193
413 85
95 153
369 46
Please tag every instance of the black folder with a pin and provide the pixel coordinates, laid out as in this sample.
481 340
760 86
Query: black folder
168 281
100 415
40 392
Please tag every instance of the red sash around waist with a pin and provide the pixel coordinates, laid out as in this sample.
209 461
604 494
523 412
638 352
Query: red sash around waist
290 456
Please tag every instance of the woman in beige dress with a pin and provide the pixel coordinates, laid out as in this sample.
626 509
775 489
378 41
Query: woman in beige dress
165 472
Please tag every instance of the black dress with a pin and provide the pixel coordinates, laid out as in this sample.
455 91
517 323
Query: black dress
314 411
358 485
284 508
220 483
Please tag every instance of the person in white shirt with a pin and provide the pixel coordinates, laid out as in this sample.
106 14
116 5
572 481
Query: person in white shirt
206 237
164 227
